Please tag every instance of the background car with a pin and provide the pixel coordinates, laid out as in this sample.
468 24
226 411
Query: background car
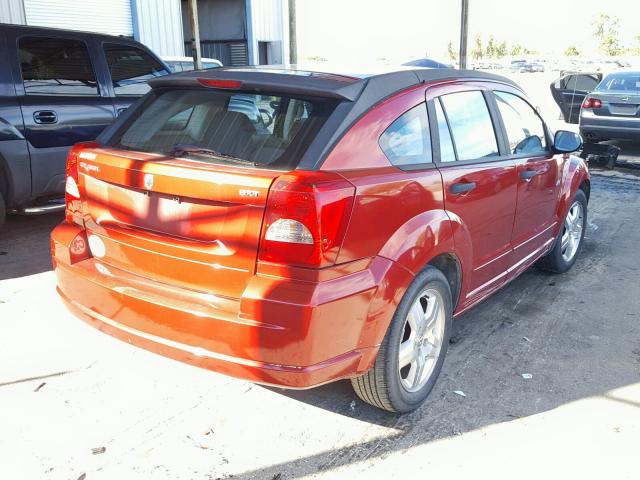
185 64
570 89
250 251
612 110
58 88
427 63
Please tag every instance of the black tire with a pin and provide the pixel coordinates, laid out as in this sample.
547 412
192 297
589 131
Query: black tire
554 260
3 211
381 386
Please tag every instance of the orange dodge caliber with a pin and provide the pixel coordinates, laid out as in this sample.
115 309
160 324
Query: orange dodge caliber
293 228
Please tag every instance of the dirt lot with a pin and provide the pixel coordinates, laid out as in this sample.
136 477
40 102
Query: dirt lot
66 389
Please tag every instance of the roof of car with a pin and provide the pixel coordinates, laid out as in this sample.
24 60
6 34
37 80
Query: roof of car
48 30
367 86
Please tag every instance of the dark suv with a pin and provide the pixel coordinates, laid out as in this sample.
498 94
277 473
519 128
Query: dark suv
58 88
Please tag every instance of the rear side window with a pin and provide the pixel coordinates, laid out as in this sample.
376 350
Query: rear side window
471 125
407 140
56 66
581 83
226 127
131 68
525 130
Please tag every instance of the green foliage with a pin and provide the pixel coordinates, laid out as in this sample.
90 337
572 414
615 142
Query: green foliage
517 49
572 51
492 48
453 55
478 50
606 30
501 50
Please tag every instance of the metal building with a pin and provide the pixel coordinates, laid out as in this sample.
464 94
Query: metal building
236 32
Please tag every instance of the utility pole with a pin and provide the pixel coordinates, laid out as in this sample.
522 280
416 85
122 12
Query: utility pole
464 30
293 41
195 34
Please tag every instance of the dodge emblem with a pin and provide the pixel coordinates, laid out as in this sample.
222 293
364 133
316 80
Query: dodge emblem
148 181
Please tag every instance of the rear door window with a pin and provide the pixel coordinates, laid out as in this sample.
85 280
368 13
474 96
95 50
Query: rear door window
471 125
131 68
447 152
56 66
226 127
407 141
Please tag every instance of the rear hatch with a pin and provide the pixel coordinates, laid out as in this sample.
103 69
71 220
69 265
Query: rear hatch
175 221
178 193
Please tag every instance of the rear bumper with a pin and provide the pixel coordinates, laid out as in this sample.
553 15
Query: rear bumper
281 332
609 127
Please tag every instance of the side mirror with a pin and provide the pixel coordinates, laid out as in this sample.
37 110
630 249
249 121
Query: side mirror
567 142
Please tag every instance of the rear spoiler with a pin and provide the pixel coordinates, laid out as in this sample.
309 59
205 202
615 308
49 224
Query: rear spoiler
272 81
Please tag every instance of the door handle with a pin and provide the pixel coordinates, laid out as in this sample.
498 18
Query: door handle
458 188
45 117
528 174
120 111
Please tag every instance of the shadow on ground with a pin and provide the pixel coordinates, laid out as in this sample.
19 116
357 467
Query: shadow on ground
24 245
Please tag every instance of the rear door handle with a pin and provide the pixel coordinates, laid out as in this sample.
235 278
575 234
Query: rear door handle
121 111
45 117
458 188
528 174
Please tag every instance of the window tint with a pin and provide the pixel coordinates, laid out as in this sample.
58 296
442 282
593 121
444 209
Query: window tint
226 127
131 68
447 152
471 125
407 141
581 83
56 66
623 82
525 130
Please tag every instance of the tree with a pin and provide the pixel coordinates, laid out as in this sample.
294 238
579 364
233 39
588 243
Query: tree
606 31
501 50
517 49
492 48
478 51
572 51
453 55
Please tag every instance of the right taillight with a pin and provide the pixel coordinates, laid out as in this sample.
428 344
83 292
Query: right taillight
306 219
591 103
72 192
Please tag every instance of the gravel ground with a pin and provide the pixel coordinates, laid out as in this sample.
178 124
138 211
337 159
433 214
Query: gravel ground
75 403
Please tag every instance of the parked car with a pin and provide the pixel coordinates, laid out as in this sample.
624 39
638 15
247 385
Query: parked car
612 110
58 88
185 64
339 243
427 63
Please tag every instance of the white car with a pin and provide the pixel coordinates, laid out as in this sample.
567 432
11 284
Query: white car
185 64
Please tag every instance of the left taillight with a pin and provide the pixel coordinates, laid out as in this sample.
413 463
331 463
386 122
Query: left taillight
72 191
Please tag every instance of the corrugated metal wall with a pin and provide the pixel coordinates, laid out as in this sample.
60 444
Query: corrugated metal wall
12 11
158 24
112 16
266 16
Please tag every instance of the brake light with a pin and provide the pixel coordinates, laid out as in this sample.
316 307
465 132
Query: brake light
218 83
591 103
72 193
306 219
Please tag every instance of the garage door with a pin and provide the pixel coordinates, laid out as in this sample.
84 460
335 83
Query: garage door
102 16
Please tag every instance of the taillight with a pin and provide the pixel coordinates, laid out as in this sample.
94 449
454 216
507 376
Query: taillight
220 83
306 219
72 193
591 103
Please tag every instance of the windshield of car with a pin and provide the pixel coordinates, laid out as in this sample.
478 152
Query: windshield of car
621 82
256 129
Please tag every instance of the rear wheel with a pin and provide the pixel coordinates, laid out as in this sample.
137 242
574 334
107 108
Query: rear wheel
413 350
570 239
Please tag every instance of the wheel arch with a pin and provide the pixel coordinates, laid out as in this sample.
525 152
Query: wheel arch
449 265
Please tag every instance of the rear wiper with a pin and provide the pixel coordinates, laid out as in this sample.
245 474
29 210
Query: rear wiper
180 150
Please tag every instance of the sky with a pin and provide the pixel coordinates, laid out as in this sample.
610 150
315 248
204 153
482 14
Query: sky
343 30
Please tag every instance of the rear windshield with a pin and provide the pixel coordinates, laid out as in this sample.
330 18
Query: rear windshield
271 131
622 82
